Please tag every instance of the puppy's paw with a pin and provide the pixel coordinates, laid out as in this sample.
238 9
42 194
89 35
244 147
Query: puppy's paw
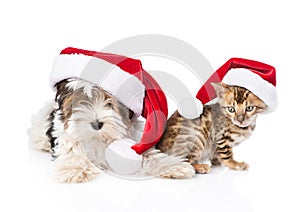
74 171
75 175
179 171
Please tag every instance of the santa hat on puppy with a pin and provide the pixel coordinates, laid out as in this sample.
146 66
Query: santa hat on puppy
126 80
257 77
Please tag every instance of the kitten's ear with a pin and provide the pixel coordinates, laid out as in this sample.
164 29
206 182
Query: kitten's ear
260 110
261 107
219 88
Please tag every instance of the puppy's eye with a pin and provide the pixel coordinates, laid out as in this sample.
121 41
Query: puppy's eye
231 109
131 113
249 108
109 104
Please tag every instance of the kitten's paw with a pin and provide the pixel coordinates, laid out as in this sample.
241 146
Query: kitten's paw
201 168
215 162
232 164
240 166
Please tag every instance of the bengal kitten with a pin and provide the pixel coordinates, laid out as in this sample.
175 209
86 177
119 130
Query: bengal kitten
219 128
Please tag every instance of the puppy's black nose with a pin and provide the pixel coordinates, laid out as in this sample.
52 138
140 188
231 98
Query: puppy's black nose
97 125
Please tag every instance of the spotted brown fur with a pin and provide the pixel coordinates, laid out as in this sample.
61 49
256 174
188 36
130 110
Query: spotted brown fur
213 135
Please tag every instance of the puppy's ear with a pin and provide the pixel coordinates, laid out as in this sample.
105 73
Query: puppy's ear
62 90
61 84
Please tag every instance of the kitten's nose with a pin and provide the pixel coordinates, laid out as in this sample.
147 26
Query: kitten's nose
97 125
241 118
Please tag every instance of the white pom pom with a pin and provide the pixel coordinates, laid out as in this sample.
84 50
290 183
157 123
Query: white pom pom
121 158
190 108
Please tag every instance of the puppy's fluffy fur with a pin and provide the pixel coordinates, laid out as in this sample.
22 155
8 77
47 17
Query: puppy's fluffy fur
78 126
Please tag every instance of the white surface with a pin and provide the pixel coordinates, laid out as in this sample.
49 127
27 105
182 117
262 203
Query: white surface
262 30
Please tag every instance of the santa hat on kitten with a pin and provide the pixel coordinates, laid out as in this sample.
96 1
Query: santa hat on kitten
257 77
126 80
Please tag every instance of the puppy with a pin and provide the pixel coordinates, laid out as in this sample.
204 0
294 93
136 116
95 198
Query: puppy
78 126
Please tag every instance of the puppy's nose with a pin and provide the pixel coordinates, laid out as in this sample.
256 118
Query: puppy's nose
97 125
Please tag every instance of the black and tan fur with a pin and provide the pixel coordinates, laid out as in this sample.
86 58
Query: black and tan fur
220 127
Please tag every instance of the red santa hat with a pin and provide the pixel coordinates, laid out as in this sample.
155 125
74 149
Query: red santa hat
255 76
126 80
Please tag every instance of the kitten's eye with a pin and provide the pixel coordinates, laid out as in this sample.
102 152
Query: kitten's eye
231 109
249 108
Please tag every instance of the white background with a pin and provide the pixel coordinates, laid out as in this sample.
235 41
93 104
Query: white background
33 33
